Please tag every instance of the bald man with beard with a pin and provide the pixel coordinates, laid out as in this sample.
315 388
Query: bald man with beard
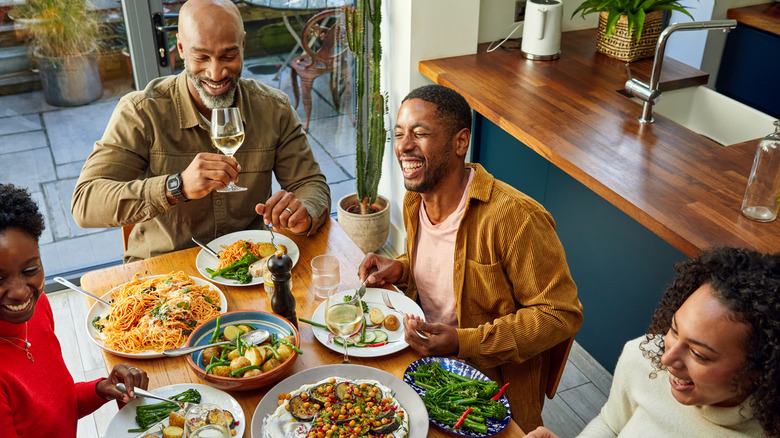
155 166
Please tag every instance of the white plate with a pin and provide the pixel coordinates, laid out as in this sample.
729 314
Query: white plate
125 418
410 401
372 298
101 310
206 260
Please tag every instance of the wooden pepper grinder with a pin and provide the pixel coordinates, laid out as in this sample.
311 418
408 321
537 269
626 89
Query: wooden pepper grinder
283 302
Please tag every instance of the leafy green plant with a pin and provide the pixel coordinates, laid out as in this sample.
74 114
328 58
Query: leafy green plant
371 103
63 27
634 10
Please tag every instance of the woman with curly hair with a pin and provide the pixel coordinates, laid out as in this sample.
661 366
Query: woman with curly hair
709 365
38 397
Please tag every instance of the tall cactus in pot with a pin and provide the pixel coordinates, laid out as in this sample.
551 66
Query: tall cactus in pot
371 103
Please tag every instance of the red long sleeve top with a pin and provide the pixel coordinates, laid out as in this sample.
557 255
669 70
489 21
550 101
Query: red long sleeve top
40 398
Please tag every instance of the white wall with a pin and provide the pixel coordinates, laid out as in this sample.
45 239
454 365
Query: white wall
415 30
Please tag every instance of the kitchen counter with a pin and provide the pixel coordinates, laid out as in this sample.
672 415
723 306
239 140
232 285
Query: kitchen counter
765 16
678 184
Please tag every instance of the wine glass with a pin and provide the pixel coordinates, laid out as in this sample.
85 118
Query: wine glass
206 420
343 317
227 135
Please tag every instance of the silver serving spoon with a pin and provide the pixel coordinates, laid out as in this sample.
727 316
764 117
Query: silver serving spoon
254 337
65 282
140 392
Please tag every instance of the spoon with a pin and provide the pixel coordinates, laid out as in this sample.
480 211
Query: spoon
65 282
140 392
253 337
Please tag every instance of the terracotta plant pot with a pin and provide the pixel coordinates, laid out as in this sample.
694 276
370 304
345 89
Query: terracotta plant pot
368 231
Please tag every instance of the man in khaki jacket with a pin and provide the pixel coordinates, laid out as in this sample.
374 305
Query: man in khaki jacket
482 259
155 166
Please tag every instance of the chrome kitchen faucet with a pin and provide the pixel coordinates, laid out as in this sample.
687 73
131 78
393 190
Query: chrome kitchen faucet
650 93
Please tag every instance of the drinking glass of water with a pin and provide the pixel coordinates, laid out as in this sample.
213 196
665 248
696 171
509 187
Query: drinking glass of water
324 274
227 135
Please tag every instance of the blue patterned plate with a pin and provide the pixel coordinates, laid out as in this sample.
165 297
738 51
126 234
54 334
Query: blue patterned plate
458 367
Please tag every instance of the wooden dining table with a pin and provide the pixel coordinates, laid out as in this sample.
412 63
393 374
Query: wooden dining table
330 239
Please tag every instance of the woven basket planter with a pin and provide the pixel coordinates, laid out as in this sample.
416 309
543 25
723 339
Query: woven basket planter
625 47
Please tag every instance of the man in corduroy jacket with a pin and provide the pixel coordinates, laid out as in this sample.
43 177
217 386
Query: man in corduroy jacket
482 259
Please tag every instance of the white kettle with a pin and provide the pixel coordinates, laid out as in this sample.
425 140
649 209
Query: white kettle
542 30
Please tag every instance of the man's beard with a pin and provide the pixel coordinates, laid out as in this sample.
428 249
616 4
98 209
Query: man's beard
211 101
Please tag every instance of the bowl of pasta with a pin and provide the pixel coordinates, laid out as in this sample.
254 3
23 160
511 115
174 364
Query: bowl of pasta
239 366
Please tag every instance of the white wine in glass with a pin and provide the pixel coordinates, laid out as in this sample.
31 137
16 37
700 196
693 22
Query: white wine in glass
206 421
227 135
343 318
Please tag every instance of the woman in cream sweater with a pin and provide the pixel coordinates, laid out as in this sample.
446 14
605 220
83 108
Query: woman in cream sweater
710 363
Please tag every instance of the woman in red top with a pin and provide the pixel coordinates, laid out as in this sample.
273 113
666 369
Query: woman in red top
38 397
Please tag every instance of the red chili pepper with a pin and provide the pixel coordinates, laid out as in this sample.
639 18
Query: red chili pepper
378 344
463 417
500 391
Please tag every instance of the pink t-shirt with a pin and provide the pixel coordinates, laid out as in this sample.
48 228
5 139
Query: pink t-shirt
433 260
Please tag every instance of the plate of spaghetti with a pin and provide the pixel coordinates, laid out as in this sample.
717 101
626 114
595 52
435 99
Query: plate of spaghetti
152 314
232 247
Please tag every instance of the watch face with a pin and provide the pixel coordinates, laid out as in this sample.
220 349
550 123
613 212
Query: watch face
173 182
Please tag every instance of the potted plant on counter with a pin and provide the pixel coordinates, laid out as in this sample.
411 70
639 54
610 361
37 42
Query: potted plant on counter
364 215
65 48
629 29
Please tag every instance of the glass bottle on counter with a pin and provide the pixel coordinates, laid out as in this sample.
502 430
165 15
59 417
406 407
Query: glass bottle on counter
762 197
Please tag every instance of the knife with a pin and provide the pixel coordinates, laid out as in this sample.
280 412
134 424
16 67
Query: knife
208 250
157 428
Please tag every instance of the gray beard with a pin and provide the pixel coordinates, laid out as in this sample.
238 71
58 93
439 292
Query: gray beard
211 101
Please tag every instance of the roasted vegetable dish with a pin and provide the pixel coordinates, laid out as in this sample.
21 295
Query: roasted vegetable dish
336 407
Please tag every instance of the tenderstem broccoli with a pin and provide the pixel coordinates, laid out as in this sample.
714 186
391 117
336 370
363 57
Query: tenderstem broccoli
147 415
448 395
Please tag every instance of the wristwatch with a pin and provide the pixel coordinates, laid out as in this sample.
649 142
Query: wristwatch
173 184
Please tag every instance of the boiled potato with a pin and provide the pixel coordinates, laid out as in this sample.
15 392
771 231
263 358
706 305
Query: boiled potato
244 328
376 316
256 355
252 372
392 323
266 249
223 371
231 332
209 353
176 419
233 354
238 363
173 432
283 351
271 364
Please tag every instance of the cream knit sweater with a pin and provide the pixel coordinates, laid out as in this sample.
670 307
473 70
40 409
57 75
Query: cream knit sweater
639 406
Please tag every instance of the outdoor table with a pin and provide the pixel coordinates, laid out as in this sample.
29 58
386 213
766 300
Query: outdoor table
330 239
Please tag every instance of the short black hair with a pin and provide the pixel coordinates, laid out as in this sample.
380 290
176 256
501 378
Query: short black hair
451 108
748 284
18 210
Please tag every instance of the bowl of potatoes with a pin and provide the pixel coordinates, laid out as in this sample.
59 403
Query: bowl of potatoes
238 365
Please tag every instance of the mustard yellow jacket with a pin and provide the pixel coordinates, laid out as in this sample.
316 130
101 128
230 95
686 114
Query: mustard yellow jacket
514 295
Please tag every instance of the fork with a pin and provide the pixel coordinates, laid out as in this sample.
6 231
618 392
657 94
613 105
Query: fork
268 227
389 304
142 393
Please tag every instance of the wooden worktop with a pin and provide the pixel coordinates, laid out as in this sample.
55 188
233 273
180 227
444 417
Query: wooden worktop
765 16
683 187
